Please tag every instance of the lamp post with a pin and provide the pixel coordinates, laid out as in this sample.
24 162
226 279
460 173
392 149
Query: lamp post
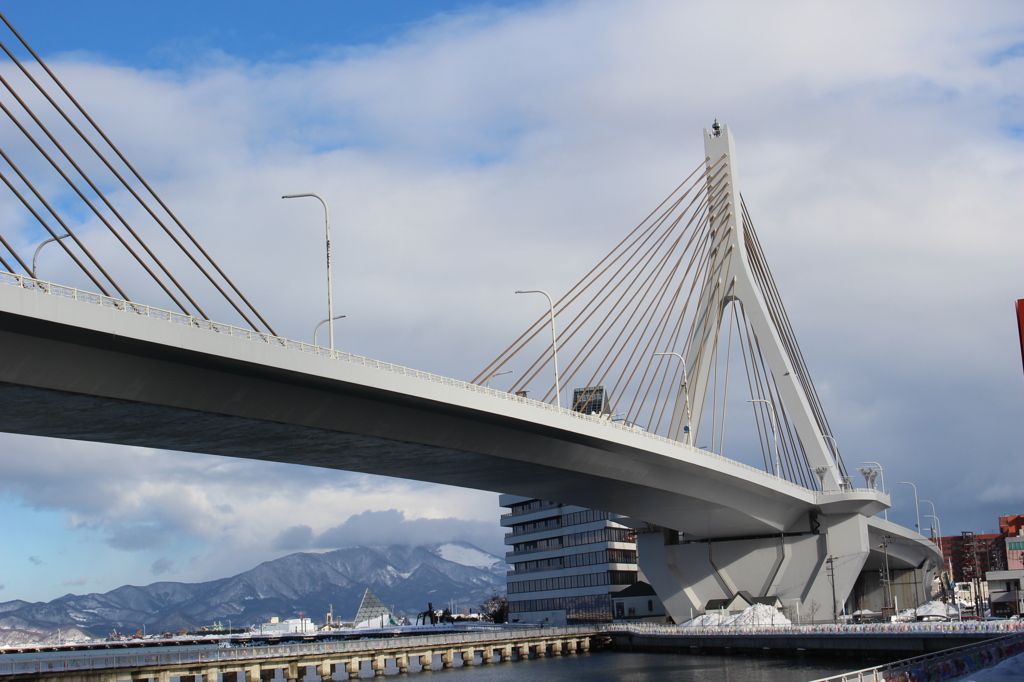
327 221
497 374
775 429
881 475
917 509
686 397
321 323
35 256
937 523
886 541
554 340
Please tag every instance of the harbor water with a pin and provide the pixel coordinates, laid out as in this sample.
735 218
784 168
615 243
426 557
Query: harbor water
614 666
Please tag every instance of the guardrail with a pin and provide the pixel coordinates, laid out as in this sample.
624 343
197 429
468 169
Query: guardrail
129 307
171 657
1010 627
942 665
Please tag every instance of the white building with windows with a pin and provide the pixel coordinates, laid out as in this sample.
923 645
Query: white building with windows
566 561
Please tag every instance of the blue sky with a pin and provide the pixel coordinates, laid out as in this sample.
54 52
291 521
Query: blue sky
158 35
469 150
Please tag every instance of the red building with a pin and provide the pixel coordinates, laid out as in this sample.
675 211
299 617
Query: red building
971 556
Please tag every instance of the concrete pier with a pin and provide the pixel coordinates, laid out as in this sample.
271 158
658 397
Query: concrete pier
323 660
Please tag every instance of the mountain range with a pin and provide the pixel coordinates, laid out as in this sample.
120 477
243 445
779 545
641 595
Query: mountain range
404 577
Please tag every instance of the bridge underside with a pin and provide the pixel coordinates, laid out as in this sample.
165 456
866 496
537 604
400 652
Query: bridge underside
65 382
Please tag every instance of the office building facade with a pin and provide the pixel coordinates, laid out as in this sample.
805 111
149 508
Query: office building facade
566 561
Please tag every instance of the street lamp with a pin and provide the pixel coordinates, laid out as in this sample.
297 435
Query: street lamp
886 541
775 429
881 475
320 324
35 256
327 220
497 374
554 341
686 397
937 522
916 503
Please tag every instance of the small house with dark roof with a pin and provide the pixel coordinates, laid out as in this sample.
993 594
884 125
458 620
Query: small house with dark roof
638 602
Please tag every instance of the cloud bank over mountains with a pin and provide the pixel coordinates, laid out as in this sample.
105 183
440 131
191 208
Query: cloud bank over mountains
879 150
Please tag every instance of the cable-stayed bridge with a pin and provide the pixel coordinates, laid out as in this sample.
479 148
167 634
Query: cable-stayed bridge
653 338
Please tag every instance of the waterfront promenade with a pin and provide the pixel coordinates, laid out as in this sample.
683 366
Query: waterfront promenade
881 638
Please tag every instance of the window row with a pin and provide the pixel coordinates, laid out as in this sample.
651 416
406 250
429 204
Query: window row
604 556
574 539
569 582
590 608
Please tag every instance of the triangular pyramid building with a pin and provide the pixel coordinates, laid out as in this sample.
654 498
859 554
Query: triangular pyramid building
370 608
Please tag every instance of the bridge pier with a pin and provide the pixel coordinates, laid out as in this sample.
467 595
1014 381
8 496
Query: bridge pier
426 660
448 658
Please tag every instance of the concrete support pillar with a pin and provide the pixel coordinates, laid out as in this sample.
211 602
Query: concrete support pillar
352 668
447 658
506 653
326 670
467 657
291 671
556 648
570 646
211 674
487 655
585 644
524 651
427 660
377 664
165 676
542 650
402 661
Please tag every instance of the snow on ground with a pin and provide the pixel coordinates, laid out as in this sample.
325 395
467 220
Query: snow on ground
1010 670
467 556
932 608
758 614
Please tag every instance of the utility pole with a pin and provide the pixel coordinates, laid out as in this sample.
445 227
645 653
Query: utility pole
887 581
830 561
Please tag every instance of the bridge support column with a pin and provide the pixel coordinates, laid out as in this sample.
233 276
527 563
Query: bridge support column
487 655
291 671
794 568
542 650
426 660
352 668
447 658
402 661
377 664
585 644
556 648
467 657
524 651
325 670
506 653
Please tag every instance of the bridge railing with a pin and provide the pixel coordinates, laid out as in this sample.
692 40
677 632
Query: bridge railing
947 664
130 307
20 664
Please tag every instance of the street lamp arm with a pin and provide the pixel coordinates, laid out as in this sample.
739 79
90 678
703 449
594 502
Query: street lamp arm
775 431
35 256
321 323
554 340
330 289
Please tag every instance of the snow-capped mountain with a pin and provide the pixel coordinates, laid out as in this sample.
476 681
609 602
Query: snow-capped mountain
404 578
